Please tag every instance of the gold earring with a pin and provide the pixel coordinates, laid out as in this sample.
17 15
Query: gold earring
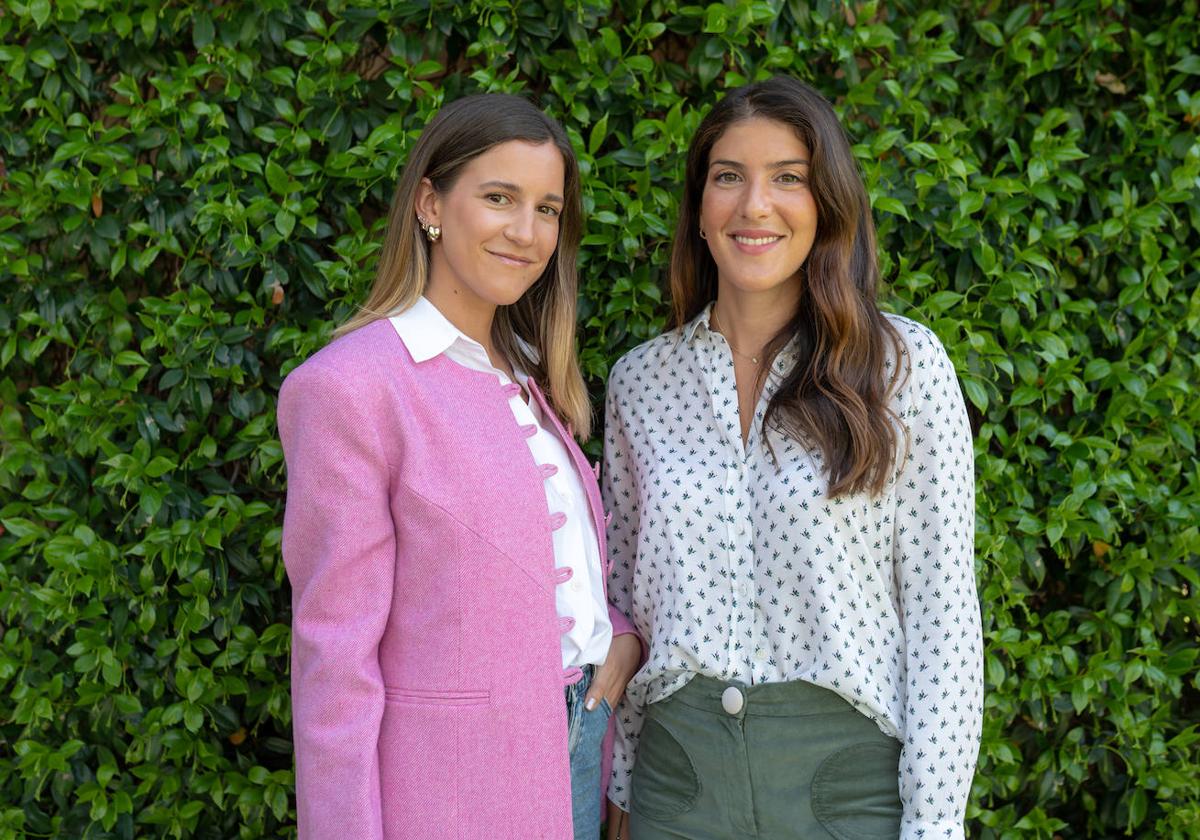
432 231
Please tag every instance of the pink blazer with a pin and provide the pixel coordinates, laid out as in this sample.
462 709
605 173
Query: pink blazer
427 678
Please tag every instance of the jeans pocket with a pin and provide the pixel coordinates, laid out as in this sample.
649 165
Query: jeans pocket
856 792
664 782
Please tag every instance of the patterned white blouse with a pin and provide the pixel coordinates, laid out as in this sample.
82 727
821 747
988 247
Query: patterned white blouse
740 567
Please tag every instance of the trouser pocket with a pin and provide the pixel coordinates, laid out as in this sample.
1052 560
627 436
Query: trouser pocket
855 791
664 783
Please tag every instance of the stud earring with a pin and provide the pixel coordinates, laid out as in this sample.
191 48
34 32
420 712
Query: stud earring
703 235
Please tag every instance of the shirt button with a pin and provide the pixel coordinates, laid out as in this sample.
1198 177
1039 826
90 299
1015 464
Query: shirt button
744 589
760 655
576 585
732 700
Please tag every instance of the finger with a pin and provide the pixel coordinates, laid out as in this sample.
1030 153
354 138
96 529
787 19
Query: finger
599 689
597 692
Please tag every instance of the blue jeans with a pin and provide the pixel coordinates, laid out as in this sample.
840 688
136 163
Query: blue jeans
585 733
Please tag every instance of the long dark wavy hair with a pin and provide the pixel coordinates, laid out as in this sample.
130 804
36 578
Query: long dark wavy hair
836 395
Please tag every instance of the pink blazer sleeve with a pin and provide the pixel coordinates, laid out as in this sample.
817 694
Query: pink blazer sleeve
340 553
620 622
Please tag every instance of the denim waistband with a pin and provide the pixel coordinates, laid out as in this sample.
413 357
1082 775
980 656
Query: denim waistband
787 699
573 690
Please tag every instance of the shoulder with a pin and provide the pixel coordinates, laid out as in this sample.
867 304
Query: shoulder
925 371
921 350
352 364
917 340
646 361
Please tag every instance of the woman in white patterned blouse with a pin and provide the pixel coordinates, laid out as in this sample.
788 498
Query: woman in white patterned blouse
791 477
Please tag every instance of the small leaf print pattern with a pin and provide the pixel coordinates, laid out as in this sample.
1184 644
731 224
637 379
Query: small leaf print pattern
737 565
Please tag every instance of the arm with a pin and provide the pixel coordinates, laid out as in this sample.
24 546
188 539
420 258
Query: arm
933 554
619 486
339 551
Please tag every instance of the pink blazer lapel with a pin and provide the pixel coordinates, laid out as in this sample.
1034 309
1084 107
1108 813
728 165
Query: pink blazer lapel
587 474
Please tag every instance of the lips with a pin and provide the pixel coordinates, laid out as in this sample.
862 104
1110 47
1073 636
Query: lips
755 237
511 259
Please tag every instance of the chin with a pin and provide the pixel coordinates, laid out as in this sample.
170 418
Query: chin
507 296
761 283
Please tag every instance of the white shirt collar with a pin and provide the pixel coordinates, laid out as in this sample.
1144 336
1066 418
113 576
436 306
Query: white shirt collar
689 329
426 332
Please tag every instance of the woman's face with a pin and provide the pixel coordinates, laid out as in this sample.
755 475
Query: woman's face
757 211
499 223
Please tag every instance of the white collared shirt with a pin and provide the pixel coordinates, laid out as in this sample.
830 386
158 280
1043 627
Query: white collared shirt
734 563
427 333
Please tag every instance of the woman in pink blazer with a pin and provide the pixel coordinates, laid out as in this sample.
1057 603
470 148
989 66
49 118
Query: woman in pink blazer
454 660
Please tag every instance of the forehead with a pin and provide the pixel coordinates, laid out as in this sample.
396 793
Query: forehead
537 168
758 139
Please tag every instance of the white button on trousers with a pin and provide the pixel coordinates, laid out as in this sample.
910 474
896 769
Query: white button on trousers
732 700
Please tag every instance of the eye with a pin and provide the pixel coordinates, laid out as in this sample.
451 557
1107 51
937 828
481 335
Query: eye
727 177
498 199
549 210
791 178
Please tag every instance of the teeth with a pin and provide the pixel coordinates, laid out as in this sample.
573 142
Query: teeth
765 240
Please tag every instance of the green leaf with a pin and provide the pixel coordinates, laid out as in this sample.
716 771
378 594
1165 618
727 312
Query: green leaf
890 205
599 133
277 178
976 393
202 31
1189 64
39 10
285 222
160 466
989 32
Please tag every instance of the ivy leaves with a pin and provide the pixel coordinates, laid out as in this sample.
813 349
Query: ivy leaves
190 198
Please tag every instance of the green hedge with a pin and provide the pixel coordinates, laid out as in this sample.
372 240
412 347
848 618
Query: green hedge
191 194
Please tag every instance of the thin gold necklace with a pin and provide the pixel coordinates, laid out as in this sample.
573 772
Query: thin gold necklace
736 351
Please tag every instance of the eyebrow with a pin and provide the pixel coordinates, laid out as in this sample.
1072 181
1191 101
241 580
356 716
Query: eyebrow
508 186
777 165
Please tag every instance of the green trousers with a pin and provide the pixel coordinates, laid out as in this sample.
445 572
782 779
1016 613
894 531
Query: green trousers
781 761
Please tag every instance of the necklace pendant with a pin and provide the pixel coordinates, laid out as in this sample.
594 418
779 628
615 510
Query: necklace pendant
754 359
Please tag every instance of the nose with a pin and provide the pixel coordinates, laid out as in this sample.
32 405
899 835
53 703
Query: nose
519 230
756 199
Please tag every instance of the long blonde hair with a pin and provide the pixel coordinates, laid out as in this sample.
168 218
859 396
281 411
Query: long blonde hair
544 318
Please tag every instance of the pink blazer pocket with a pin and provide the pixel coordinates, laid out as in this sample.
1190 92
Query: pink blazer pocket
429 697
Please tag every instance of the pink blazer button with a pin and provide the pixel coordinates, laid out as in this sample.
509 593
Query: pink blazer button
529 430
547 470
562 574
557 520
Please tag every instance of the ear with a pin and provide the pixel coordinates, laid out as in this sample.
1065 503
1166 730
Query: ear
428 203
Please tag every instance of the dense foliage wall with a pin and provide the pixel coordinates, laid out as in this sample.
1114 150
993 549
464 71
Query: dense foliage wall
191 195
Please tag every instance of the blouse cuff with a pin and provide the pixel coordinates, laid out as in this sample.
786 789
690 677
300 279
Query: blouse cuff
932 830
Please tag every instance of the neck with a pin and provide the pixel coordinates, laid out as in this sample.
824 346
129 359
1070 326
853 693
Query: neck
468 312
750 319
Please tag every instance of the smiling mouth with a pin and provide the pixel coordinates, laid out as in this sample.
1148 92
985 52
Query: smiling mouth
756 240
509 258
